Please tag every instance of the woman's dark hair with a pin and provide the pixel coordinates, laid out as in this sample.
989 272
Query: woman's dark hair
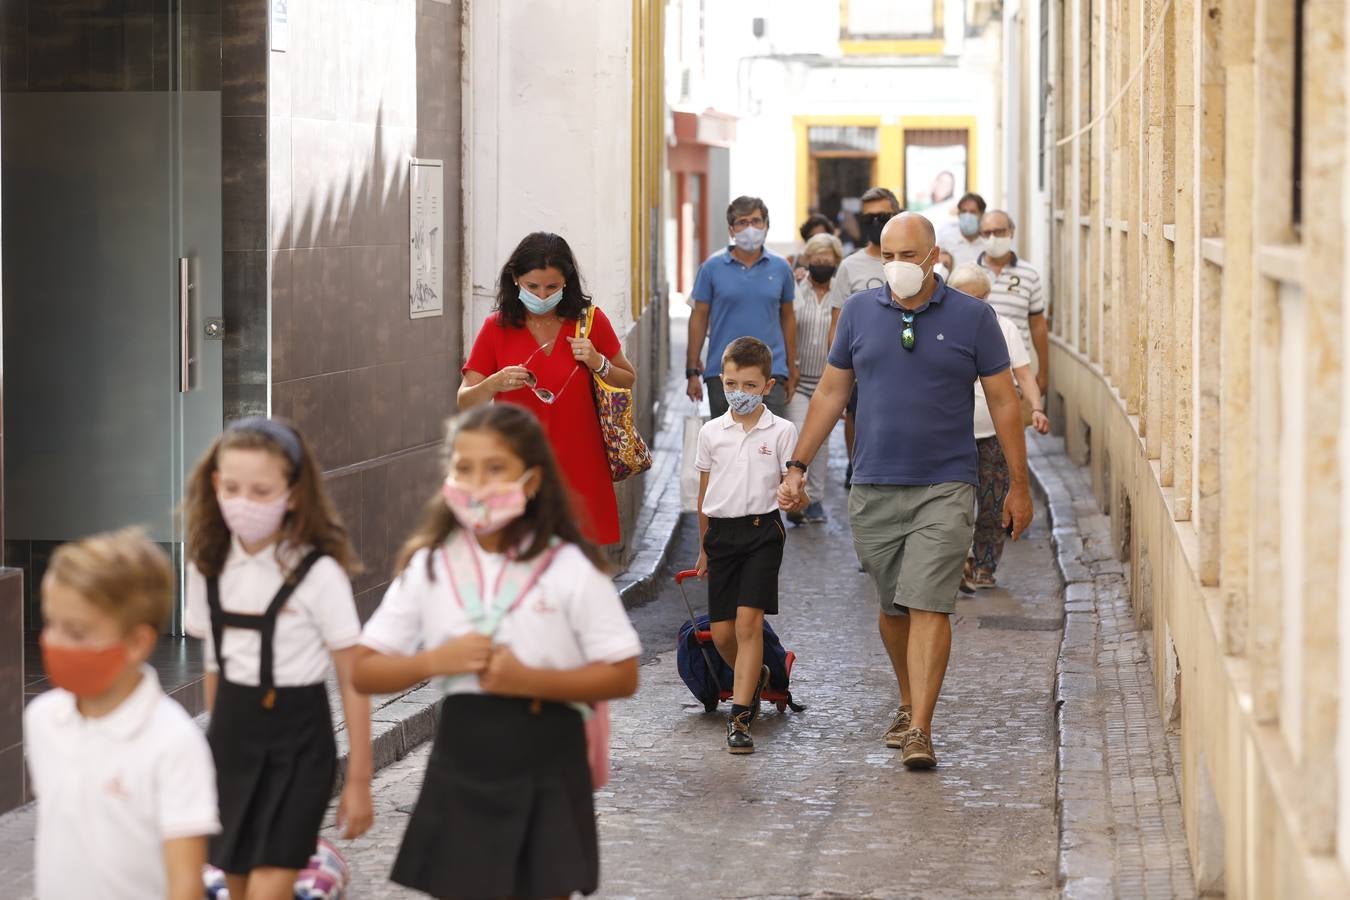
540 250
313 521
548 514
812 223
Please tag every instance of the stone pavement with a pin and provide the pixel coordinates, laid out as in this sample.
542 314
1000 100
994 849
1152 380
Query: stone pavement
823 808
1121 833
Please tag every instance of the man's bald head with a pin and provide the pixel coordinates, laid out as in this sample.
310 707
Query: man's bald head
998 221
908 237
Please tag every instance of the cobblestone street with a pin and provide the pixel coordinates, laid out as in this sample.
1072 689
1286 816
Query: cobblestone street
823 808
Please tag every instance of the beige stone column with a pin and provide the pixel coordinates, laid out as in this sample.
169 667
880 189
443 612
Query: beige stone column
1184 277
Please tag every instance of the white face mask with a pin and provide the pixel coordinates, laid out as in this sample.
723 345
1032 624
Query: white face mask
750 239
905 278
997 247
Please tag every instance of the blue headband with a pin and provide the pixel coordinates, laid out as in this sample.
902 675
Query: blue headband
279 433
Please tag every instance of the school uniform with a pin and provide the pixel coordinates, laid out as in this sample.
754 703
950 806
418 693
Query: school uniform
506 807
271 731
745 536
112 790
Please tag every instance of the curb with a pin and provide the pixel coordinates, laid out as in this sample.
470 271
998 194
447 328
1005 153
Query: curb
1086 865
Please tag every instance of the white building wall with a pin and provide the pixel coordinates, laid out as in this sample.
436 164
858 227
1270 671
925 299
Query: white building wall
797 69
548 120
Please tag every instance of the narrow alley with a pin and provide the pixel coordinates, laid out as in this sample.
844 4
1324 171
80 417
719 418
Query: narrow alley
823 808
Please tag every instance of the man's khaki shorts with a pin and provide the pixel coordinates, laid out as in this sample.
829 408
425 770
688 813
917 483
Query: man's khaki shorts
913 541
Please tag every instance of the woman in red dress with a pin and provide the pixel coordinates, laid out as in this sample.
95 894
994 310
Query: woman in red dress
528 353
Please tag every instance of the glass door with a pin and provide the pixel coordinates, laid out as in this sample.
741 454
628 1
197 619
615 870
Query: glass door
111 206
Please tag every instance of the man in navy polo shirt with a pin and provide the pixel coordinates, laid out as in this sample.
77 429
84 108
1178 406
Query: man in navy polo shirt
743 291
914 348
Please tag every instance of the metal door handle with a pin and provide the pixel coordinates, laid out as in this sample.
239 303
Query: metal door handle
184 324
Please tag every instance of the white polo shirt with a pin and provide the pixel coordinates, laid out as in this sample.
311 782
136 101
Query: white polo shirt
319 617
963 251
1018 356
570 618
1016 296
744 467
110 791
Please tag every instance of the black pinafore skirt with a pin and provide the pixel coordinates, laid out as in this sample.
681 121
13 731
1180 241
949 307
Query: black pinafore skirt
506 808
275 769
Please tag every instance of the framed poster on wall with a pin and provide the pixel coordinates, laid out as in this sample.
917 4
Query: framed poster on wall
426 224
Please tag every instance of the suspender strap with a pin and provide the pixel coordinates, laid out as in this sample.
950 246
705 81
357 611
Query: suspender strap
265 624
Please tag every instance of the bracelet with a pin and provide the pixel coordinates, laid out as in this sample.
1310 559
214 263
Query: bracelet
692 372
604 368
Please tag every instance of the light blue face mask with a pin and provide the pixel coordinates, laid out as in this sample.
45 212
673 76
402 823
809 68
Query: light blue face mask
537 306
969 223
743 404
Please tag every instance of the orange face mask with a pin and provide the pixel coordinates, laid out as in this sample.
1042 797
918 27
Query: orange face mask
83 672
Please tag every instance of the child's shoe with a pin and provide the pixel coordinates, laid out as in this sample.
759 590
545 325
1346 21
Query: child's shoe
814 513
738 733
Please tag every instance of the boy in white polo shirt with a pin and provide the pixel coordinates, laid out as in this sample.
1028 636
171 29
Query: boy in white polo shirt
741 458
126 792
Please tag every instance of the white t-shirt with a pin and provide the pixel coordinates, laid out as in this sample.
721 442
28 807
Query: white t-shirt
319 617
744 467
950 238
110 792
570 618
1017 354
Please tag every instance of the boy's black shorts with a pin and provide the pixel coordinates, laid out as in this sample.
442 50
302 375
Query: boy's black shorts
744 555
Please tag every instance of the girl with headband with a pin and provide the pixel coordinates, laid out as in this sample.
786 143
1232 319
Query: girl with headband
269 592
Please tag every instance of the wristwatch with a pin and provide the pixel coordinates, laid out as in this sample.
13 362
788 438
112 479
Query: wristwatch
692 372
795 464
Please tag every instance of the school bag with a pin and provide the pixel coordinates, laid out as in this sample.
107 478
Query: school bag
709 687
326 877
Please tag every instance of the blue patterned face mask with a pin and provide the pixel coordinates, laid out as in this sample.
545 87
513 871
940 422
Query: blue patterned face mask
743 404
538 306
969 223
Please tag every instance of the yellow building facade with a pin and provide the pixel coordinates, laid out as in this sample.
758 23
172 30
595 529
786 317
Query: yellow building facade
1196 175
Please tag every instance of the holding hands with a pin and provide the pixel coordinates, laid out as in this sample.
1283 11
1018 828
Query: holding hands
791 493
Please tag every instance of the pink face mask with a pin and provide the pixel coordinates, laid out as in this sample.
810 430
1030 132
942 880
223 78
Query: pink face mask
487 509
250 520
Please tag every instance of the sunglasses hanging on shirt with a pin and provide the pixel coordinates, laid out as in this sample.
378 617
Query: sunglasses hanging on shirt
907 333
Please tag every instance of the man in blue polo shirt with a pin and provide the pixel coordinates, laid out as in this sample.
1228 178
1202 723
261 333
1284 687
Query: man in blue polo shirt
914 348
743 291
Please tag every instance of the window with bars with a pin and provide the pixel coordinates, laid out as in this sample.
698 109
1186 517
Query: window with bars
1296 151
842 139
889 19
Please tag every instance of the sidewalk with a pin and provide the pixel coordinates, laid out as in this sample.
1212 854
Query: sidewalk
1121 833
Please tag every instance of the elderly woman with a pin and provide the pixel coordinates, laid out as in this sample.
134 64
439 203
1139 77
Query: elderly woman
993 489
816 319
534 351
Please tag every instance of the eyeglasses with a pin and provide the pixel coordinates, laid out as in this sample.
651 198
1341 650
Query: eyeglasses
742 224
907 333
531 382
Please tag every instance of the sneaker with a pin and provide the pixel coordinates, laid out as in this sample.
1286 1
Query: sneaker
968 579
983 581
814 513
759 690
895 735
796 517
918 750
738 733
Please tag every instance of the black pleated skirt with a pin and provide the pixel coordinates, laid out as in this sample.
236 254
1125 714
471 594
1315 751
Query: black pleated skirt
506 807
274 775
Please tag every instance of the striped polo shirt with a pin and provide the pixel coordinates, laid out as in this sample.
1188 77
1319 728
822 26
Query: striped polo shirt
1016 295
814 315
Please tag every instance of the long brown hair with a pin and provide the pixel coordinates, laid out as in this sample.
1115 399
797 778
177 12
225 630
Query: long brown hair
548 514
313 521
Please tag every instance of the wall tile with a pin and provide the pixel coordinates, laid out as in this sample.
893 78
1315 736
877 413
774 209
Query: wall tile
437 71
379 304
303 399
376 411
12 777
334 434
244 182
283 399
281 315
244 301
11 657
244 58
307 308
346 494
335 317
280 182
428 398
321 198
13 47
380 532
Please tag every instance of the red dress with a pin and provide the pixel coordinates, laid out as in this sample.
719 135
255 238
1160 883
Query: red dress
571 423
